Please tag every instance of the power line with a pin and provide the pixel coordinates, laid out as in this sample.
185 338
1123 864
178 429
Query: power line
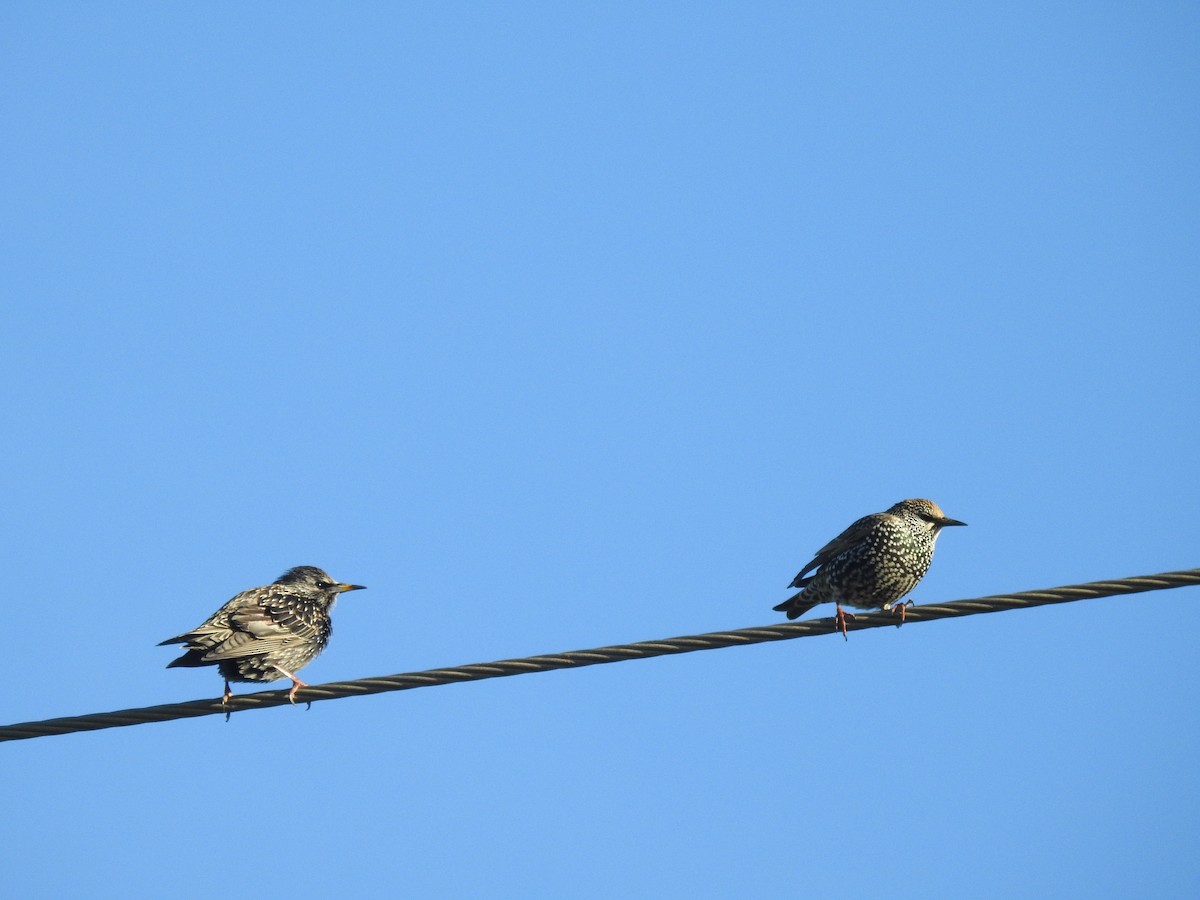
578 658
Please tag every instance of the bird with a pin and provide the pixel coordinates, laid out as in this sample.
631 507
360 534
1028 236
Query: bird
268 632
873 563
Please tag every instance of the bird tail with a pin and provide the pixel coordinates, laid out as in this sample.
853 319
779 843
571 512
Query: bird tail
794 607
189 660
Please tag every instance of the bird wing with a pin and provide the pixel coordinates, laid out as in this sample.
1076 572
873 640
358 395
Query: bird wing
199 638
298 625
252 630
216 628
268 625
256 621
260 620
855 534
241 644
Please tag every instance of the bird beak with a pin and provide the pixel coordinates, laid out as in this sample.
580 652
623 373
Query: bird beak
944 521
342 588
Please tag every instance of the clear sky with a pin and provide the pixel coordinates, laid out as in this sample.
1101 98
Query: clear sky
561 325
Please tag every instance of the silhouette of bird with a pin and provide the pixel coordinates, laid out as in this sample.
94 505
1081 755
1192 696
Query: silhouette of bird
266 633
873 563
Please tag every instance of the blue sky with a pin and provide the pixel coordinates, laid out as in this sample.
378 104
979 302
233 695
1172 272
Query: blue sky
565 325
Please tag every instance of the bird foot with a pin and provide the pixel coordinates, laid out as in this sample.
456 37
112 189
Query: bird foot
225 698
897 609
839 621
296 685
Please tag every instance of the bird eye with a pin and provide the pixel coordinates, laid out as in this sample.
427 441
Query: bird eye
323 584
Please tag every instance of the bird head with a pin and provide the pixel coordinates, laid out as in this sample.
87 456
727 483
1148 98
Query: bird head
311 580
927 511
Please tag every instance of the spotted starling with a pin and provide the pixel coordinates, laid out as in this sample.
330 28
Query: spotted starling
873 563
266 633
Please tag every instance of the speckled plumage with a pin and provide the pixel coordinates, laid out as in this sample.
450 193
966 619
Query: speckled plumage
874 562
269 632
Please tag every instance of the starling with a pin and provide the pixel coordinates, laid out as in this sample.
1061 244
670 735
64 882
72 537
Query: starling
266 633
873 563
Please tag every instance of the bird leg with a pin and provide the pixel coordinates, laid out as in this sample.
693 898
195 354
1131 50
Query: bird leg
296 684
839 620
225 698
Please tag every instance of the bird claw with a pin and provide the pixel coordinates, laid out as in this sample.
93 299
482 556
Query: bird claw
296 685
897 609
839 621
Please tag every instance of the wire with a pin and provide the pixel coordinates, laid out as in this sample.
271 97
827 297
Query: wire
578 658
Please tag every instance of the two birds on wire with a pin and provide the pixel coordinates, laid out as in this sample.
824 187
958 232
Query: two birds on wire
271 632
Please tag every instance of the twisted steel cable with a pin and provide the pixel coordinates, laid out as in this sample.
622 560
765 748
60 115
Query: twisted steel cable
578 658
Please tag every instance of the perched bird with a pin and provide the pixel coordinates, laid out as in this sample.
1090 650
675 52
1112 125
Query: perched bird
873 563
266 633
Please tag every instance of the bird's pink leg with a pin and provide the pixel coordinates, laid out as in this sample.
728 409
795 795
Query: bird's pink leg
296 683
840 620
899 608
